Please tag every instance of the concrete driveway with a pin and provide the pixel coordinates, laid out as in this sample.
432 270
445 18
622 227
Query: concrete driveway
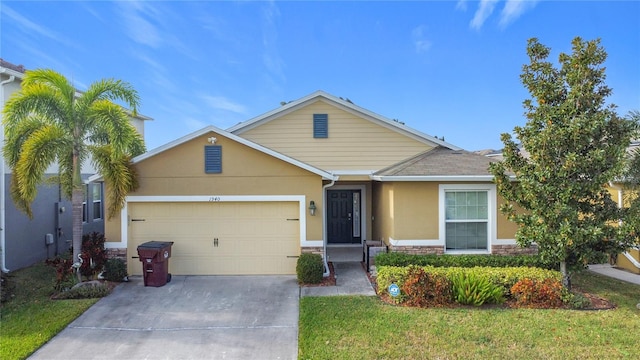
192 317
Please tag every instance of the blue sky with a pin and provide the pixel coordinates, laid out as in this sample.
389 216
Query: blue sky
446 68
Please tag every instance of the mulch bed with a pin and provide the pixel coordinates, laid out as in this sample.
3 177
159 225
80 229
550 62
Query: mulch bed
326 281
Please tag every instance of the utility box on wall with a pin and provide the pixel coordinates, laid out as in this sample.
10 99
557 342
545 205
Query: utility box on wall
48 239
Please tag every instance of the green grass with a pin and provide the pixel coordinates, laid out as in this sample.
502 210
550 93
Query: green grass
366 328
31 318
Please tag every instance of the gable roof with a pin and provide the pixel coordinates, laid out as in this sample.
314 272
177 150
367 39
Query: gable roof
439 164
343 105
213 129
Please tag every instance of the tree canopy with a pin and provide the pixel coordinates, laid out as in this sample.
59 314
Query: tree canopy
48 122
572 145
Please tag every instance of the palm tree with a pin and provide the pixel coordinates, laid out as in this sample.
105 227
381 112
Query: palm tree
49 122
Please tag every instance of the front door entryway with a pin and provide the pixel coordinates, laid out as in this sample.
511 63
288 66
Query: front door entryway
343 217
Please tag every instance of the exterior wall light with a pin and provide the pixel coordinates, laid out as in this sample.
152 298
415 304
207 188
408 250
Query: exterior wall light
312 208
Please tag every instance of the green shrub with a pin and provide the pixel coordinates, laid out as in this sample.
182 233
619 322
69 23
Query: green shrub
426 290
504 278
402 259
85 292
309 269
387 275
471 289
115 270
538 294
575 300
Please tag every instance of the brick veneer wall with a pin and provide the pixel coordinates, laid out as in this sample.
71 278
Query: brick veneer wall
439 250
514 250
117 254
312 250
417 250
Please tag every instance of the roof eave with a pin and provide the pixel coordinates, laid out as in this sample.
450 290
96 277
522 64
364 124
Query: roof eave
468 178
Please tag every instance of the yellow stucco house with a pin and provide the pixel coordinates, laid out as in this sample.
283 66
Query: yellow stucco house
628 260
316 173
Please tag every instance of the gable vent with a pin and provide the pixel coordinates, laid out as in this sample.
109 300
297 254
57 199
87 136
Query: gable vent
320 126
213 159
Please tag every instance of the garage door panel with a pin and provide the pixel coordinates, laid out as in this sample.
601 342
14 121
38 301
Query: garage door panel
253 237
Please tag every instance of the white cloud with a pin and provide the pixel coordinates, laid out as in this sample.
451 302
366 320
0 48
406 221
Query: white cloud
222 103
194 124
271 57
485 8
420 41
513 9
137 27
31 27
461 5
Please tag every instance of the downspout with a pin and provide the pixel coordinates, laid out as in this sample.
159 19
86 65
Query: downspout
620 205
324 226
11 79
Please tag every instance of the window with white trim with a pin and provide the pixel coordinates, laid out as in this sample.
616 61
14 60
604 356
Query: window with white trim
85 198
466 221
96 195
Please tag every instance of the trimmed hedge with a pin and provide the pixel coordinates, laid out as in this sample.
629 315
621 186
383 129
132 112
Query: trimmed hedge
504 277
401 259
309 268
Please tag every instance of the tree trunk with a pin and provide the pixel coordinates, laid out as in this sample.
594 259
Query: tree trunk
76 210
77 195
566 279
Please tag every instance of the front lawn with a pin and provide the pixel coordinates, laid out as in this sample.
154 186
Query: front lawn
30 318
367 328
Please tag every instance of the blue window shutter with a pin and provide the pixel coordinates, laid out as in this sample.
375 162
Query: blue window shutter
320 126
213 159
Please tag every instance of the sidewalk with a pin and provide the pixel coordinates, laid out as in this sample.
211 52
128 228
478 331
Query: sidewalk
610 271
350 280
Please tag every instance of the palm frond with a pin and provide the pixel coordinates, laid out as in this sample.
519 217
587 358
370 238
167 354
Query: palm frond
17 134
37 153
65 173
36 99
112 90
50 79
119 174
111 122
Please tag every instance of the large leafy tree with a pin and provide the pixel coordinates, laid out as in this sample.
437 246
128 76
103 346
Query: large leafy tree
49 122
574 145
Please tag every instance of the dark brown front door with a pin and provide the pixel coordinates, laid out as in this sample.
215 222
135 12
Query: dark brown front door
342 214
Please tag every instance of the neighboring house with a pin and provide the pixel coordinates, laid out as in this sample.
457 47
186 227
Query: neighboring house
629 260
317 172
24 241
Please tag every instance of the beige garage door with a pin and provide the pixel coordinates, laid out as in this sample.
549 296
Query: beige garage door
219 238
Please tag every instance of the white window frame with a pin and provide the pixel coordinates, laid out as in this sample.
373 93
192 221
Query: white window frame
85 207
93 201
491 214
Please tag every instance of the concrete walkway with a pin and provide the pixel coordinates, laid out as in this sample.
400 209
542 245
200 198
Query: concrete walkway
610 271
351 279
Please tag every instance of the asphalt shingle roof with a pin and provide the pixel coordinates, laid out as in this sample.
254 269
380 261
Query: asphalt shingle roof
440 161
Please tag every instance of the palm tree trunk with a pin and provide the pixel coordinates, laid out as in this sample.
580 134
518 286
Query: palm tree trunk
76 211
77 195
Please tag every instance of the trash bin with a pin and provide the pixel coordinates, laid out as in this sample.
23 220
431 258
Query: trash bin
154 256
